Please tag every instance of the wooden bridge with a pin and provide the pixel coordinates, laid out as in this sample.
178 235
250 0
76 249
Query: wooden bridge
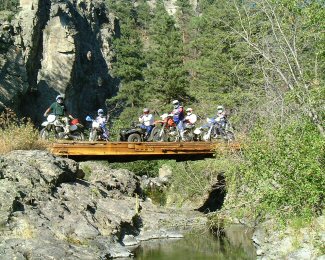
126 151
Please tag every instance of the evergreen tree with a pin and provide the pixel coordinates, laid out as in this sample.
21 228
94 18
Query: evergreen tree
129 56
165 76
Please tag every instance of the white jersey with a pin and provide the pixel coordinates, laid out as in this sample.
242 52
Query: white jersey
192 118
101 119
220 116
146 119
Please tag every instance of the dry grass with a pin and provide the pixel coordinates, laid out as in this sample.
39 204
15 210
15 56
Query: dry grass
18 134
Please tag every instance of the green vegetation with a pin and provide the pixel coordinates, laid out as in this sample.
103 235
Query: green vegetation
10 5
8 9
140 167
265 62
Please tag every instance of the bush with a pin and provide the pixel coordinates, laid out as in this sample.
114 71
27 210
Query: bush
281 173
194 179
140 167
18 134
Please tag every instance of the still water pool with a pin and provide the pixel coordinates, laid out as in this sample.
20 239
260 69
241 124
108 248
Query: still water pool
200 245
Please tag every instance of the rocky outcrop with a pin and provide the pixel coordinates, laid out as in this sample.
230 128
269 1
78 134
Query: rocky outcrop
46 211
304 243
58 47
13 74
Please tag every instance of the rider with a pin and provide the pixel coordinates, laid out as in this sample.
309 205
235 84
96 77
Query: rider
190 117
178 117
220 119
58 109
147 121
102 120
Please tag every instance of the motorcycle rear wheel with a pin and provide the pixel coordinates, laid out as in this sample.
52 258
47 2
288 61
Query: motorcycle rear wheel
230 136
134 138
77 136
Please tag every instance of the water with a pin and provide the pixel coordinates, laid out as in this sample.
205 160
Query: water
200 245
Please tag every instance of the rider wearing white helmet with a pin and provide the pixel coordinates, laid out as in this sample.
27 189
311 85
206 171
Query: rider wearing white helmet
102 120
190 117
220 113
147 120
58 109
220 119
178 116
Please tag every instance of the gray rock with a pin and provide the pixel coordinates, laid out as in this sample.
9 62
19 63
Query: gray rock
47 213
33 74
302 254
130 240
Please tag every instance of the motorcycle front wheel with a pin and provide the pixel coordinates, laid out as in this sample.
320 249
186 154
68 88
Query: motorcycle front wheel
46 134
93 136
155 134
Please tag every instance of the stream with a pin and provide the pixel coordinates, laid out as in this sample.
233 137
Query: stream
236 244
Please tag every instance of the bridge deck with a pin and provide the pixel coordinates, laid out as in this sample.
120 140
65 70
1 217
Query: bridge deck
143 149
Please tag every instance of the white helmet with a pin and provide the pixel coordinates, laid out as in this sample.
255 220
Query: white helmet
189 111
59 99
220 108
100 112
146 110
175 103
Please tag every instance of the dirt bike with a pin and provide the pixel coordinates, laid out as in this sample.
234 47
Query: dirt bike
214 130
166 130
188 134
98 132
135 133
55 128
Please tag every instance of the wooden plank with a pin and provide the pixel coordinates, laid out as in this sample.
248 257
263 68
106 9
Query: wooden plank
136 149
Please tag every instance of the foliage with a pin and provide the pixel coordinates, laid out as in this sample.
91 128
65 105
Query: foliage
129 56
166 76
281 172
192 180
18 134
9 5
140 167
157 195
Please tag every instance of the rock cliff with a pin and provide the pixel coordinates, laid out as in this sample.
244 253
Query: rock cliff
57 47
47 212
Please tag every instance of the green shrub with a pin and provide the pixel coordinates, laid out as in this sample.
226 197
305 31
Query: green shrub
140 167
193 179
281 173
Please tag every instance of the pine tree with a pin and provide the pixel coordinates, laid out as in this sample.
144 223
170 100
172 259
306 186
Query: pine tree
129 57
166 76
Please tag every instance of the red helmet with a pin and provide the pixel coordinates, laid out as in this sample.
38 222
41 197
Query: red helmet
74 121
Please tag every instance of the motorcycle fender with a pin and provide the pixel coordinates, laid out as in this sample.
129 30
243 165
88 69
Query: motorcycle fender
197 131
132 131
73 128
45 123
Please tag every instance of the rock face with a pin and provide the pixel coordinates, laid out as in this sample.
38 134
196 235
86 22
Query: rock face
46 212
305 243
58 47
